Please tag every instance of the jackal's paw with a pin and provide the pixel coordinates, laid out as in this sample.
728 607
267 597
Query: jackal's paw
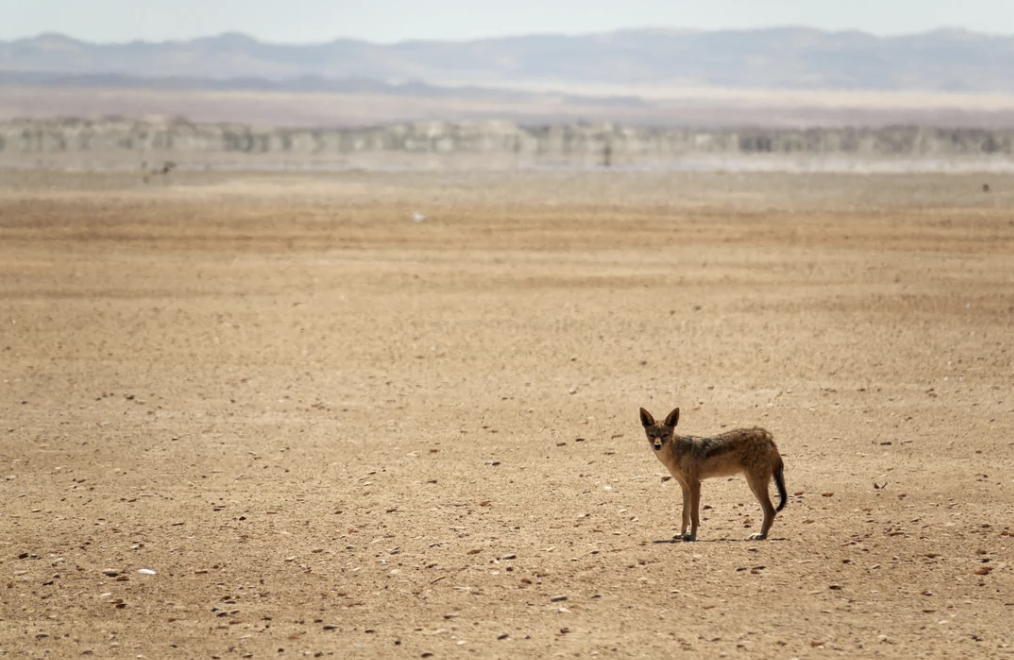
757 537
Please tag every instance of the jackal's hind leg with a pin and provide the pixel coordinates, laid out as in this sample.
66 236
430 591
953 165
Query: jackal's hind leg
759 486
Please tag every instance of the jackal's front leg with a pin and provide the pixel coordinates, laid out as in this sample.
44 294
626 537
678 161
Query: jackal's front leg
695 510
686 512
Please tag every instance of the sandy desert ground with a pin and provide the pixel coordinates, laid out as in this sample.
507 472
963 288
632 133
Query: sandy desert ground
333 431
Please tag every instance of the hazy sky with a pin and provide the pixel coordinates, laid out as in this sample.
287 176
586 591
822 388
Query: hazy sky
298 21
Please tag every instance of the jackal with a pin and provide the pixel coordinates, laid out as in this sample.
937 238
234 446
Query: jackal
690 459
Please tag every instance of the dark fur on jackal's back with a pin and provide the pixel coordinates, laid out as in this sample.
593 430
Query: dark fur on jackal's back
692 458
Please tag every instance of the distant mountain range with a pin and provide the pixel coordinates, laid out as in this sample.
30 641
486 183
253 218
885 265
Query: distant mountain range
780 58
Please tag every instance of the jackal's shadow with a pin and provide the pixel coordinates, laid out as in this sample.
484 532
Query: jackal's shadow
677 540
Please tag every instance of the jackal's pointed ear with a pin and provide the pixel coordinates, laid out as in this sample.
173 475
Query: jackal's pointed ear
646 418
673 418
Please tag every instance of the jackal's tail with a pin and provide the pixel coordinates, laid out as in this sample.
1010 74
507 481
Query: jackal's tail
780 483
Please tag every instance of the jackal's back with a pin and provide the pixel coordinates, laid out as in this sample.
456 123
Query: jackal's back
751 450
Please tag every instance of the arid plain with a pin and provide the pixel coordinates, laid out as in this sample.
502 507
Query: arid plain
323 428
